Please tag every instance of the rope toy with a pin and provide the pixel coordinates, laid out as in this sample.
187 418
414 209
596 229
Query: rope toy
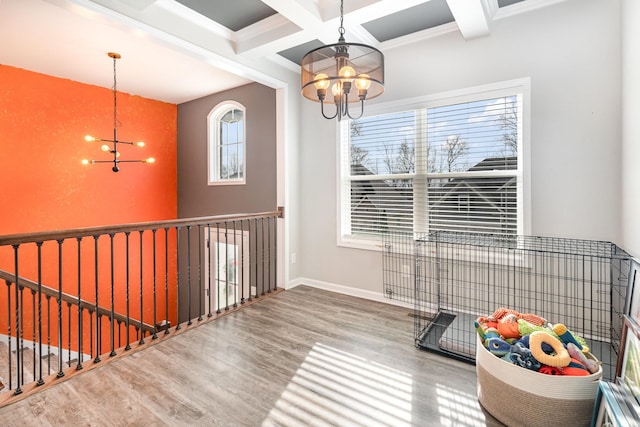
560 359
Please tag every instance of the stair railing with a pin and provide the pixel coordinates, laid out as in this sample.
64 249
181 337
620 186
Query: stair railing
76 297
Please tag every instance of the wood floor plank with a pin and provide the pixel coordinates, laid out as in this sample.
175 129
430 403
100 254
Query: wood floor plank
304 357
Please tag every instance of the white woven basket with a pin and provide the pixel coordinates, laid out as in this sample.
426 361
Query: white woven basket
521 397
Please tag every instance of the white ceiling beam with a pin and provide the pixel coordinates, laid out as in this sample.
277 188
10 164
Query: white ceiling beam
471 17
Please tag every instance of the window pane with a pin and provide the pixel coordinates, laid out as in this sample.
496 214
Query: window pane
480 135
383 145
379 206
485 205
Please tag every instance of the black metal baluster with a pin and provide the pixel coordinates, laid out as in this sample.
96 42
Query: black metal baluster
60 351
264 250
210 295
91 333
275 253
269 254
128 319
252 244
8 283
112 315
80 310
69 332
155 299
33 332
40 380
178 327
166 280
119 323
48 334
141 293
18 389
226 267
200 284
242 261
97 310
189 322
218 270
21 347
236 268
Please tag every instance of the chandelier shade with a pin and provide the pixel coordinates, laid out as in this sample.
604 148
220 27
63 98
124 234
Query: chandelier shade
342 74
321 70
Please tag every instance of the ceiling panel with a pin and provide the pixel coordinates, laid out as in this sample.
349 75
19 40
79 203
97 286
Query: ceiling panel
503 3
235 15
421 17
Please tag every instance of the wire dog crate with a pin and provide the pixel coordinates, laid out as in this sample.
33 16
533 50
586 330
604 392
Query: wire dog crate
458 277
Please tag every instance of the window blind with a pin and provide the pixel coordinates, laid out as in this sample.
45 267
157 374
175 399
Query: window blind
450 166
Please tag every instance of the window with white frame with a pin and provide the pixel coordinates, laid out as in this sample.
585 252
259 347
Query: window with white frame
227 143
452 162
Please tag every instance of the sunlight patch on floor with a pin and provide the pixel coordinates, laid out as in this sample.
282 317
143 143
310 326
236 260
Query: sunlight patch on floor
458 408
334 387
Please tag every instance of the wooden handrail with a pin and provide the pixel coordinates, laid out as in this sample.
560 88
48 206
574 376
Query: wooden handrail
70 299
16 239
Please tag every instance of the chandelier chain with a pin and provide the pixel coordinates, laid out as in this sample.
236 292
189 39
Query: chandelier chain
341 29
115 97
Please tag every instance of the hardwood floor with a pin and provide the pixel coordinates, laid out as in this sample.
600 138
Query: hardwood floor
304 357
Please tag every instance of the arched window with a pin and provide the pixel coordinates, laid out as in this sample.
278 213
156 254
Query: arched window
227 143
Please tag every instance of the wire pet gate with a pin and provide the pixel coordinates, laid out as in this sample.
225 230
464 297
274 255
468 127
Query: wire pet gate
455 277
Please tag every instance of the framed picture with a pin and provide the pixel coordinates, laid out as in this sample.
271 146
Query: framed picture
632 302
628 367
612 408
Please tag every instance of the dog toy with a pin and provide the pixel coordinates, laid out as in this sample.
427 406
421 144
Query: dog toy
522 356
566 336
508 326
529 317
550 370
575 369
591 365
561 357
498 347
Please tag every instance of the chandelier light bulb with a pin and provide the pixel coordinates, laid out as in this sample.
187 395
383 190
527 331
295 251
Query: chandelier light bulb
337 89
363 82
89 138
140 143
347 73
105 147
85 161
150 160
322 81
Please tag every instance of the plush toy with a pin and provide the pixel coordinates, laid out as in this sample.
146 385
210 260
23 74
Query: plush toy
566 336
515 353
526 328
559 359
550 370
522 356
591 365
531 318
498 347
508 327
575 368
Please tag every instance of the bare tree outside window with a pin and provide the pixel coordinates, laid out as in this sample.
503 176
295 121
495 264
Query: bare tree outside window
509 123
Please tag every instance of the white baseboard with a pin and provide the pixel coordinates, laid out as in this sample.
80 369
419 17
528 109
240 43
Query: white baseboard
347 290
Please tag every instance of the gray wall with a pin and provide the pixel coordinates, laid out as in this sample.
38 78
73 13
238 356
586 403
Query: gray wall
197 198
571 51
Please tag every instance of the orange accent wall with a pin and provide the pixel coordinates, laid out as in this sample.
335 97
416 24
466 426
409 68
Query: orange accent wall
43 121
44 186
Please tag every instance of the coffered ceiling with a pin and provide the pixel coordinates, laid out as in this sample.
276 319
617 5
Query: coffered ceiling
179 50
